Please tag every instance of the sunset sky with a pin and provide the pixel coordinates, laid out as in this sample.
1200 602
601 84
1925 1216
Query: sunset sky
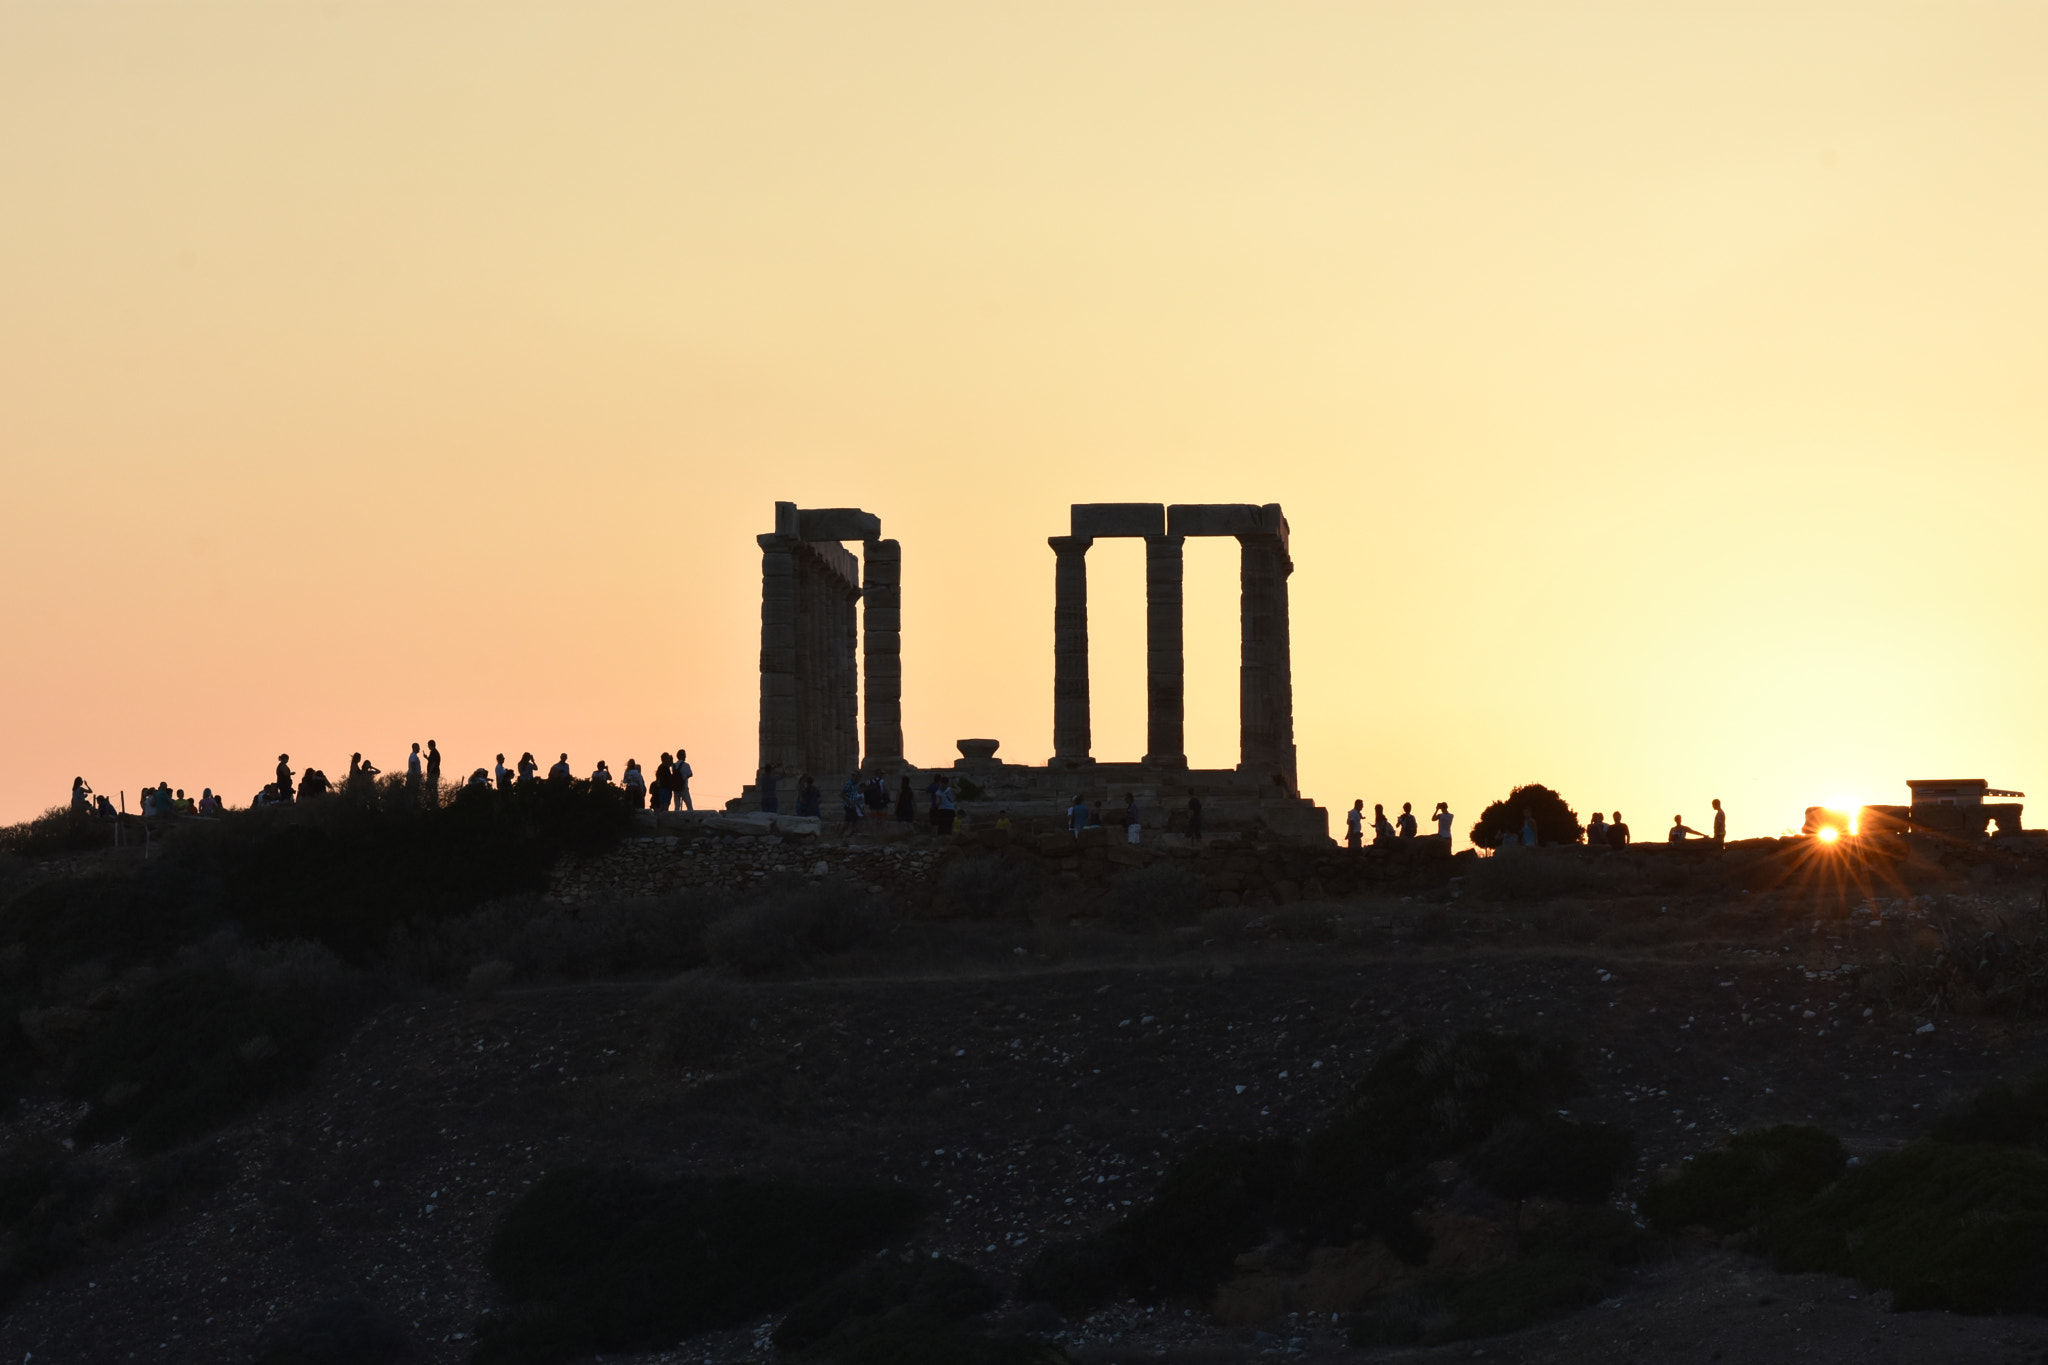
1658 393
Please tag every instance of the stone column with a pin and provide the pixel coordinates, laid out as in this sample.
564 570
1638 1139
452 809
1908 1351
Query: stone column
781 726
847 695
1070 720
1165 666
1262 634
882 645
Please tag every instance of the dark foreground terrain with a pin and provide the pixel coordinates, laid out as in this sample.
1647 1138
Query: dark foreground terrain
1033 1079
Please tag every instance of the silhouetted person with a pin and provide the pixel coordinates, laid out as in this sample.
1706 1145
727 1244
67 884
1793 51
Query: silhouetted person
1530 837
851 803
1382 828
1077 815
433 771
209 804
1720 824
104 809
906 803
560 772
602 777
942 807
680 781
1404 824
1617 831
528 767
1680 831
284 777
413 773
635 784
81 795
1596 831
314 785
1444 820
1354 825
480 779
664 776
876 798
181 805
503 774
1195 818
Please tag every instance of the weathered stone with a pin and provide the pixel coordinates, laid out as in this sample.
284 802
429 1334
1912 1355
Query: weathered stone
837 523
1090 519
1071 729
1165 668
1224 519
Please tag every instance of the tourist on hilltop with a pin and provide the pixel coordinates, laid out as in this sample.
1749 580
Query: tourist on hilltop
1195 818
528 767
942 806
1404 825
413 772
503 774
480 779
851 803
209 804
1077 815
601 776
679 781
1680 831
1530 836
433 772
314 785
163 799
1444 820
81 795
876 798
906 803
1617 831
1382 828
284 778
560 772
635 784
183 805
1354 825
1596 831
664 773
104 809
1720 825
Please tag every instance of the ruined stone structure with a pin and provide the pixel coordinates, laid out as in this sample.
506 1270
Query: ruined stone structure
1265 668
810 638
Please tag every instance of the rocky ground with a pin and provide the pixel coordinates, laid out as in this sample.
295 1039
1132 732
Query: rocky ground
1033 1082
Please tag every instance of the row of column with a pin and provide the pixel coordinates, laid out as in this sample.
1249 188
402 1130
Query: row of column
813 648
1265 668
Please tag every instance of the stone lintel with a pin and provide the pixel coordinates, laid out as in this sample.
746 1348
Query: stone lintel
834 523
1119 518
1225 519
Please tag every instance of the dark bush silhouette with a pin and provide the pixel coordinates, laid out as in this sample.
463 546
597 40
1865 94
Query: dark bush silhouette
2016 1116
1757 1178
1552 1157
55 1205
57 831
988 888
1166 893
790 921
613 1259
1556 822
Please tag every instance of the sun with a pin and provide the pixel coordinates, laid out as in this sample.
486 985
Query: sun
1828 834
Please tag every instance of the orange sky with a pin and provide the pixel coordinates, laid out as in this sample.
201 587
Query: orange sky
1655 392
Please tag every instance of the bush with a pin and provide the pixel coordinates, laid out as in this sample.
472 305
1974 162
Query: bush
1960 1228
1556 822
2015 1117
544 939
1551 1157
1753 1181
58 830
201 1044
988 888
613 1259
54 1205
790 922
1164 893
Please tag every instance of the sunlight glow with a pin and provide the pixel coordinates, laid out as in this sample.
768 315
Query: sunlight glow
1829 834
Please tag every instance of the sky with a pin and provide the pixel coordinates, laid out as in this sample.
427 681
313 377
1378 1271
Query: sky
1655 393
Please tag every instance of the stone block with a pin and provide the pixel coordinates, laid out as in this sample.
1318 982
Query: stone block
836 523
1225 519
1119 518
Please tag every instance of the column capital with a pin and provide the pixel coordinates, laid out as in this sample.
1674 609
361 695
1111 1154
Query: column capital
1070 545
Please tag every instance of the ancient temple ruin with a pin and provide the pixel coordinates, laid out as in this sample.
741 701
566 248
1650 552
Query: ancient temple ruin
822 611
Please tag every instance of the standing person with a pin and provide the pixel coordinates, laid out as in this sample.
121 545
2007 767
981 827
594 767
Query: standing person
1680 831
1405 825
412 772
942 813
1617 831
906 803
529 766
1720 825
664 780
1596 831
1382 828
433 773
1443 818
850 803
1195 818
679 782
1130 816
503 775
284 777
636 785
602 777
1529 835
1354 826
559 773
1077 815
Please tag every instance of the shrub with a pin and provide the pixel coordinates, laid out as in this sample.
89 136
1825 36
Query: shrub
2016 1117
1961 1228
1556 822
541 938
790 922
54 1204
1162 894
988 888
1551 1156
1757 1178
58 830
614 1259
201 1044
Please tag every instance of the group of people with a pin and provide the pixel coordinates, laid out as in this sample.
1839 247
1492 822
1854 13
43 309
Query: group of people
862 800
1401 829
158 803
